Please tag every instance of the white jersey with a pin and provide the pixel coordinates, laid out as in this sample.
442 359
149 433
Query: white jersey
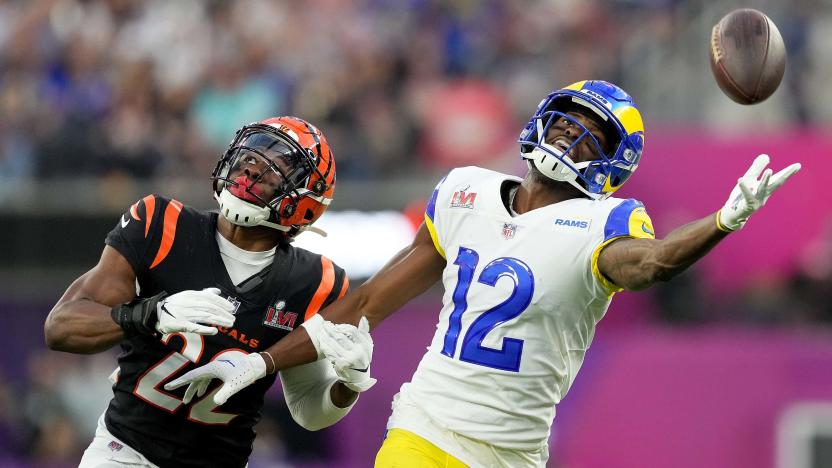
522 297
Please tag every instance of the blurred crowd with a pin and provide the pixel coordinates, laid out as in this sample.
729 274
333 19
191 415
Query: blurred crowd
144 89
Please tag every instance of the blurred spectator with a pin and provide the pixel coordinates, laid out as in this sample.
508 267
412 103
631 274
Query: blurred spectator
49 429
683 301
281 442
10 437
766 300
147 89
769 297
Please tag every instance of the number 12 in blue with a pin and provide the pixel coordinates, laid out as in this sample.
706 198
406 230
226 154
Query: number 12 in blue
508 356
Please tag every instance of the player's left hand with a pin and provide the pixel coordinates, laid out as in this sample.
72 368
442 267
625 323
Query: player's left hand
350 350
236 372
194 312
751 192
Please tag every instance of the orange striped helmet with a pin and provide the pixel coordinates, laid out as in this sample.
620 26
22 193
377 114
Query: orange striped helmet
279 172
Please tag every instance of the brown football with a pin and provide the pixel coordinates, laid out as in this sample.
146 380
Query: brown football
748 57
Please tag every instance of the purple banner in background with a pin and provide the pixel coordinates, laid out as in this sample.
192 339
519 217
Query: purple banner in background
689 398
685 175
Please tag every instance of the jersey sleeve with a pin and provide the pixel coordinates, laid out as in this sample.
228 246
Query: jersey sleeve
431 218
628 219
144 234
333 285
132 235
340 285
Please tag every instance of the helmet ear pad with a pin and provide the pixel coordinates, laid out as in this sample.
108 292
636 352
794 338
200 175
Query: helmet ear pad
299 211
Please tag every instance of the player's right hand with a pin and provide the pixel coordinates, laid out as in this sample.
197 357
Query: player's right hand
350 350
236 372
195 312
752 191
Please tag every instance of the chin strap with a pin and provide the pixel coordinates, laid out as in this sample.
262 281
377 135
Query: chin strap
560 169
243 213
314 229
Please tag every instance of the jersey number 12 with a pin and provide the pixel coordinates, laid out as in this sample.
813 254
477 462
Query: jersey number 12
472 350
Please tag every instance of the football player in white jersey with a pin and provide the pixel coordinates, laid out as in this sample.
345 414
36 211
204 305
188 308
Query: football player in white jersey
529 267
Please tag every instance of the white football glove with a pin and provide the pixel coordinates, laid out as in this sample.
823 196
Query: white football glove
186 310
350 350
237 372
751 193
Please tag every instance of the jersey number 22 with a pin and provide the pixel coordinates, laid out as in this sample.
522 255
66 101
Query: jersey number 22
472 350
203 410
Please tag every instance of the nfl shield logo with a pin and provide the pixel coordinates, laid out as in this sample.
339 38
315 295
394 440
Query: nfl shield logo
235 302
508 230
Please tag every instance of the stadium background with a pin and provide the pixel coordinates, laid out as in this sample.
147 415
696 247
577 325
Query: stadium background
104 101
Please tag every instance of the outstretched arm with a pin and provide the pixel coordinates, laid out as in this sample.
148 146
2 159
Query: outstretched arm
409 273
636 264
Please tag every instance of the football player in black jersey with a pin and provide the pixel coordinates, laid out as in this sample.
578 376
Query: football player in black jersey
178 287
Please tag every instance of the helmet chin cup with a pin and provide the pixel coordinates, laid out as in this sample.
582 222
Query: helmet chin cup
559 167
241 212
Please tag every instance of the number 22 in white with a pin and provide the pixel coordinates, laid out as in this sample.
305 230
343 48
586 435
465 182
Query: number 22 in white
148 386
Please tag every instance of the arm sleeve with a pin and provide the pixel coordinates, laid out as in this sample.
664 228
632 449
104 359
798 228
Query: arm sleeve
307 392
430 217
628 219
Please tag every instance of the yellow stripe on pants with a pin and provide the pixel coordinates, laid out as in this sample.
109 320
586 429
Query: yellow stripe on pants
404 449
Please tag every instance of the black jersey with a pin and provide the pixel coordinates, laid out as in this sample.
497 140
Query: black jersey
173 248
